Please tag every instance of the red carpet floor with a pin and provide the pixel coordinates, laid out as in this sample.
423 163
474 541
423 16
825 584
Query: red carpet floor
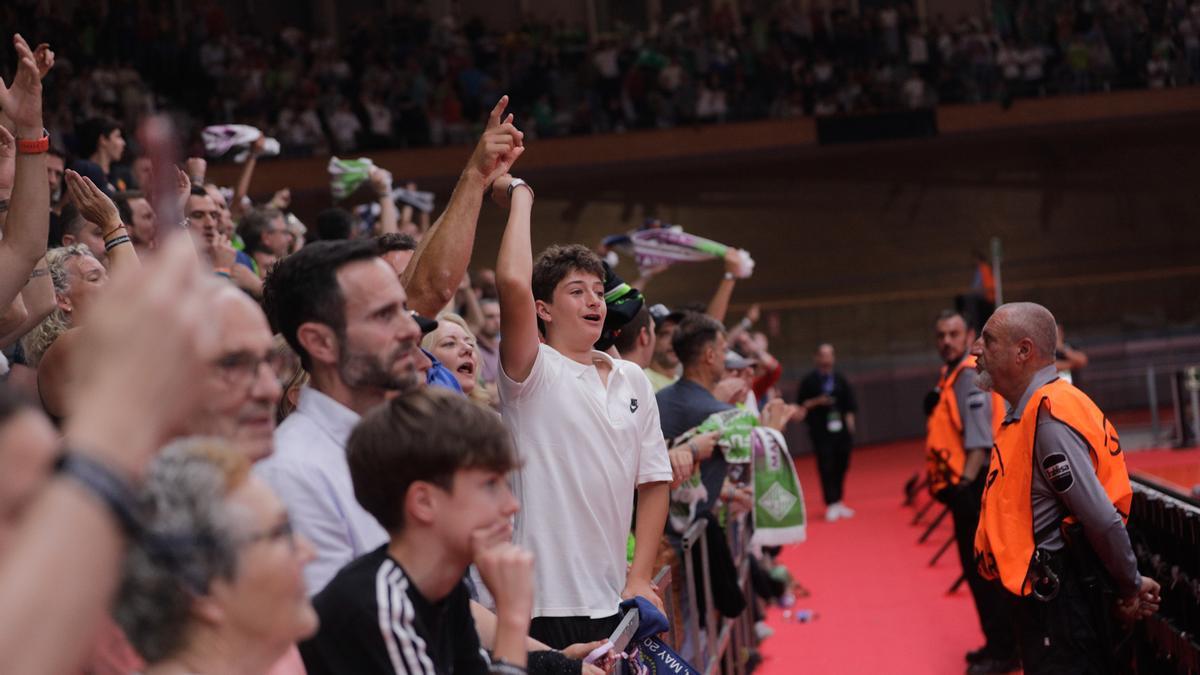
880 608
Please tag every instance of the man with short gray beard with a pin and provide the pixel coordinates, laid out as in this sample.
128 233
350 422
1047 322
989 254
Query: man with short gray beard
344 312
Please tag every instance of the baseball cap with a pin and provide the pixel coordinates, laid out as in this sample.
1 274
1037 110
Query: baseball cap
660 313
735 361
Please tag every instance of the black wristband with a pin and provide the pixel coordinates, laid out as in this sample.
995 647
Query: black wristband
106 485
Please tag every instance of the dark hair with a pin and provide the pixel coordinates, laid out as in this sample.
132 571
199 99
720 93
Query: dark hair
556 262
394 241
199 191
694 333
628 335
334 224
950 314
122 199
303 287
254 225
87 138
72 223
425 434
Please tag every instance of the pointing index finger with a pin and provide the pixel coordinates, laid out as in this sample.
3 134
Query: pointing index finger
494 117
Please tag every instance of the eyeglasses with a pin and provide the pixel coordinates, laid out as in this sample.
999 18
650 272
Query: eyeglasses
283 530
240 369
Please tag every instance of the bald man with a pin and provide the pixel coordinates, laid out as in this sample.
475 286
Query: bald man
241 390
1056 456
829 401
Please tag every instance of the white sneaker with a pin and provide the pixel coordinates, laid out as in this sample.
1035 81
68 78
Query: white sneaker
762 631
832 512
845 511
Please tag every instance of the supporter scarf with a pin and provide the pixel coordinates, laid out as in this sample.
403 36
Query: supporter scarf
656 247
221 138
654 655
735 426
346 175
779 516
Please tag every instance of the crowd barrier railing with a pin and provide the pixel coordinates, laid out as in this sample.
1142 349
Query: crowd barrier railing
1165 529
721 644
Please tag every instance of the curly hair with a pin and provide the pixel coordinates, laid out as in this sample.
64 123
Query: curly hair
37 341
188 542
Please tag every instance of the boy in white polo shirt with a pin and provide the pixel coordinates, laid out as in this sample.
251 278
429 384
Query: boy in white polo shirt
586 428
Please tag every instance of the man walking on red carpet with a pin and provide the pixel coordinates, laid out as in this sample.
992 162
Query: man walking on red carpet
1052 528
961 422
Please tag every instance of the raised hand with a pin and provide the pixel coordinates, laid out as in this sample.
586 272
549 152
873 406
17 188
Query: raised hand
222 253
381 181
93 204
43 56
151 325
499 147
197 168
731 390
22 101
777 413
282 199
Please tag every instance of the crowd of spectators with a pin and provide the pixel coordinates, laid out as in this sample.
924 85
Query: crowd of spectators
406 79
225 448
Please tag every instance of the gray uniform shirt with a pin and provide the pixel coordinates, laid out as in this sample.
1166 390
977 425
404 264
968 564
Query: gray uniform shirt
975 410
1065 482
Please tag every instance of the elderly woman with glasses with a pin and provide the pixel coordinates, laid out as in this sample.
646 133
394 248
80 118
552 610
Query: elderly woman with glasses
214 583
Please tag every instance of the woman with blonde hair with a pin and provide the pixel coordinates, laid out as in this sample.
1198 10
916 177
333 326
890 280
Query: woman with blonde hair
453 343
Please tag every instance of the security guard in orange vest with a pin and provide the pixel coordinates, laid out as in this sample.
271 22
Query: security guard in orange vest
1052 526
959 430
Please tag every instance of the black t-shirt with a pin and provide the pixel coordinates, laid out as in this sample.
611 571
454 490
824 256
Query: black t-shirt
374 620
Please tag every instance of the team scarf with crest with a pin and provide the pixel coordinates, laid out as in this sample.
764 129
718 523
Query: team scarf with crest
779 514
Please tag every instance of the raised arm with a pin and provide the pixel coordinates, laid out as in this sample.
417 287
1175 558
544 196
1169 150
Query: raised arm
38 300
95 207
514 282
24 240
718 307
442 256
389 218
243 184
150 327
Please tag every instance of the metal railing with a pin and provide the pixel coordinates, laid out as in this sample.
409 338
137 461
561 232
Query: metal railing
721 644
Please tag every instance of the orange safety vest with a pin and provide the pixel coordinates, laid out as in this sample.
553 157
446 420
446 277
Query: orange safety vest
1004 542
944 452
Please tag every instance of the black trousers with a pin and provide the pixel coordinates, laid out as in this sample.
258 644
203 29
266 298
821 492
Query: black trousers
833 460
992 602
560 632
1073 634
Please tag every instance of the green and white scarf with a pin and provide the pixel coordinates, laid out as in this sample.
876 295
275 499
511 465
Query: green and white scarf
779 515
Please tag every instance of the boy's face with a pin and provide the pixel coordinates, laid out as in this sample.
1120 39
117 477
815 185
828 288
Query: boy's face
575 315
479 500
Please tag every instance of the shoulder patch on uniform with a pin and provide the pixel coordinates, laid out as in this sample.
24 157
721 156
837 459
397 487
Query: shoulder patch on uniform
1058 472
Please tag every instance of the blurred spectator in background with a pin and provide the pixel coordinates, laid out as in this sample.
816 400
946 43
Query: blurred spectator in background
831 426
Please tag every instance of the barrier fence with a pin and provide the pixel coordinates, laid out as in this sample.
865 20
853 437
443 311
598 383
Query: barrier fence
1164 527
718 644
